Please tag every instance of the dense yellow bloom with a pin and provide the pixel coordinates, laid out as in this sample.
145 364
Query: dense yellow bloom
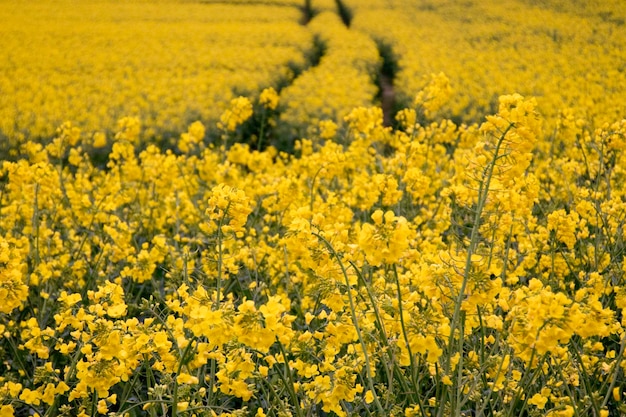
113 60
434 95
229 208
504 47
109 299
269 98
342 80
386 240
564 226
13 290
195 134
239 111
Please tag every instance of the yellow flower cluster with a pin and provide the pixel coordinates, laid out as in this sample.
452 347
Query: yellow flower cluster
240 110
13 289
343 79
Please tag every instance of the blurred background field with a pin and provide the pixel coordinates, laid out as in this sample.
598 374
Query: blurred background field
168 63
173 62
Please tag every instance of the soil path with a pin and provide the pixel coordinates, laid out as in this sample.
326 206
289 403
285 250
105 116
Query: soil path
387 99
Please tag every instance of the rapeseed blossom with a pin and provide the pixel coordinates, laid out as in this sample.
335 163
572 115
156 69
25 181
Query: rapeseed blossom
194 136
269 98
240 110
386 239
13 289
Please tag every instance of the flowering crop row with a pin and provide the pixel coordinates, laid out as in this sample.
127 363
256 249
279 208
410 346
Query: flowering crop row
112 60
168 63
343 79
567 56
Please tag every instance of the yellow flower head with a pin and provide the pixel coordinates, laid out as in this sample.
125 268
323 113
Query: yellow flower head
269 98
13 291
195 135
129 129
229 207
239 111
328 129
434 95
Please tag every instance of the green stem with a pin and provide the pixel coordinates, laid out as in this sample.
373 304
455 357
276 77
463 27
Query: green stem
36 227
94 403
616 364
289 384
483 192
183 358
526 381
262 130
274 393
403 326
395 371
459 365
354 321
219 265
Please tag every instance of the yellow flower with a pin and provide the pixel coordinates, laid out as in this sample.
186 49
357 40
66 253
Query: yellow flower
412 411
13 290
328 129
565 226
567 411
434 95
617 394
7 411
30 397
269 98
14 388
407 119
240 110
229 207
99 140
386 240
193 137
184 378
102 407
539 401
49 394
110 297
365 120
62 388
129 129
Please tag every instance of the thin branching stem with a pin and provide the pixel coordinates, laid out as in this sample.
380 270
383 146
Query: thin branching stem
355 321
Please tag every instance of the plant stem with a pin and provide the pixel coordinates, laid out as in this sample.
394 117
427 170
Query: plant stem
354 321
483 191
289 383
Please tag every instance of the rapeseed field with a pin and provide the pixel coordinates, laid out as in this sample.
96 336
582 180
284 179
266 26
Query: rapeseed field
313 208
